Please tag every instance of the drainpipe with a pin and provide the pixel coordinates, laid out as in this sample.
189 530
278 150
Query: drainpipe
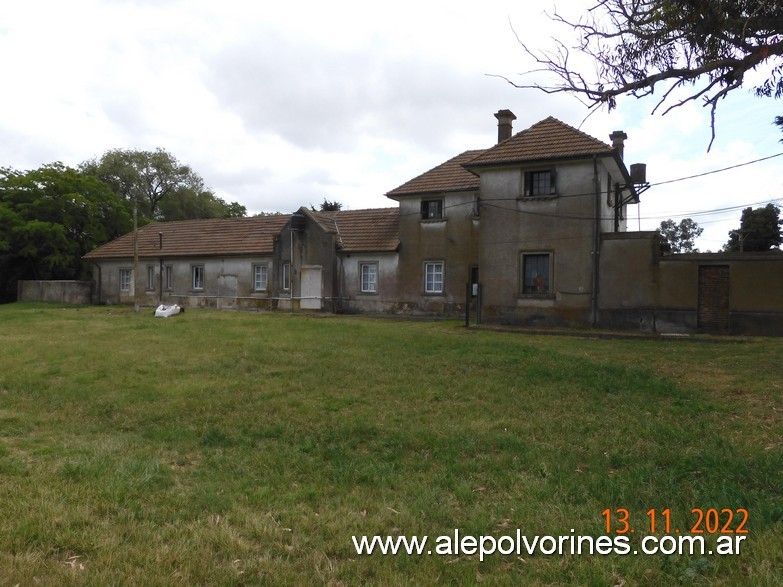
596 243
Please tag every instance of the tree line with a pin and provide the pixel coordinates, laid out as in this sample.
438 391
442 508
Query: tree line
51 216
761 229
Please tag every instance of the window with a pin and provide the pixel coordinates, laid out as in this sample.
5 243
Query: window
433 277
169 282
285 277
369 273
125 279
198 277
540 183
150 278
259 277
432 209
536 273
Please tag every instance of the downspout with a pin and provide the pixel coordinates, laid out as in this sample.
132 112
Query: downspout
596 243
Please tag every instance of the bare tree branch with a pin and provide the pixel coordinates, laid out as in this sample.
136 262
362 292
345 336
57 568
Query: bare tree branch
638 44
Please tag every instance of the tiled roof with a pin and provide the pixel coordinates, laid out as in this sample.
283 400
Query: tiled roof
224 236
450 176
355 231
374 229
547 139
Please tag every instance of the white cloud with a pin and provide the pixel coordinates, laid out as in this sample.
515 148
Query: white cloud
279 105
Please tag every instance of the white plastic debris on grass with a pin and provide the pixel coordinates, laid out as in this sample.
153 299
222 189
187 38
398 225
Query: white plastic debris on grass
164 311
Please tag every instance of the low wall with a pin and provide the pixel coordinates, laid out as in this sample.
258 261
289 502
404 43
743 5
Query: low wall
55 291
641 288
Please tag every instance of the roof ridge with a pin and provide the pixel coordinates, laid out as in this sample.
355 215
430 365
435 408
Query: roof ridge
570 127
546 139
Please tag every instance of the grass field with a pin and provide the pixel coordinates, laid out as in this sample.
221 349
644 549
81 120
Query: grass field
221 448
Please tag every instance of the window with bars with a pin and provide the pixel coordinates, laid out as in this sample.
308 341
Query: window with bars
432 209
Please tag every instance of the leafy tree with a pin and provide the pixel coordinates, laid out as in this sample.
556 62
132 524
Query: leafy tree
188 205
637 45
162 187
328 206
760 230
269 214
49 218
679 238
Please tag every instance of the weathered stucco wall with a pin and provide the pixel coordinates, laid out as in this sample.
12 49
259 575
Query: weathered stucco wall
228 283
640 288
562 225
55 291
452 240
385 299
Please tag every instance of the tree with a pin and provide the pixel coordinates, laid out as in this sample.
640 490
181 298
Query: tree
679 238
760 230
49 218
635 45
188 205
162 187
328 206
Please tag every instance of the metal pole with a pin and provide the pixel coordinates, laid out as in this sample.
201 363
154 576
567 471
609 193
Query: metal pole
467 305
160 269
479 303
135 256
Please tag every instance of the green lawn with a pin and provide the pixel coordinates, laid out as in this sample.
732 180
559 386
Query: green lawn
227 448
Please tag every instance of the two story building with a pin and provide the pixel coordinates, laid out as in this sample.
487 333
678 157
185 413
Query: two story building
529 231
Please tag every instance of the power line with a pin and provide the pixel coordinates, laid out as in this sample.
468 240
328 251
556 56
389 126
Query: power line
715 170
485 202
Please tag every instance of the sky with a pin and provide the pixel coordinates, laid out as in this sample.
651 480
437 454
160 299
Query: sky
281 105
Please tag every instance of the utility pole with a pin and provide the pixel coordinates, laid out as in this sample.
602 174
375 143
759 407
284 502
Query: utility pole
135 255
160 269
742 236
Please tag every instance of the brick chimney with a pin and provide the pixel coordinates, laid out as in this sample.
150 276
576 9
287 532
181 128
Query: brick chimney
505 120
618 141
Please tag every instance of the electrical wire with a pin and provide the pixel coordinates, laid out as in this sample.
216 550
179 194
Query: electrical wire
485 202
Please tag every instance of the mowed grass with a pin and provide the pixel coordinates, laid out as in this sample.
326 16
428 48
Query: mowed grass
221 448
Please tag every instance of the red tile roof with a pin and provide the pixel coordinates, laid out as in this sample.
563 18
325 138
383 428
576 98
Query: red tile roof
223 236
374 229
450 176
547 139
355 231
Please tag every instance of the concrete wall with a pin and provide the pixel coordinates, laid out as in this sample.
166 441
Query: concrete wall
386 299
562 225
55 291
452 240
307 246
641 289
228 282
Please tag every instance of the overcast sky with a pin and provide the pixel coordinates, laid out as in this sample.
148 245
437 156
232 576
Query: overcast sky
279 105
